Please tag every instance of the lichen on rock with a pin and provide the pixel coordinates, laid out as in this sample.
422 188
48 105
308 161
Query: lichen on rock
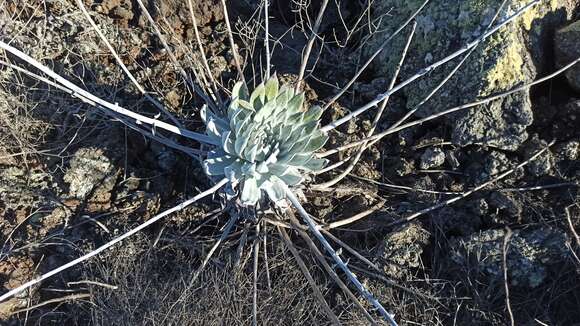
530 256
90 173
567 48
500 63
400 251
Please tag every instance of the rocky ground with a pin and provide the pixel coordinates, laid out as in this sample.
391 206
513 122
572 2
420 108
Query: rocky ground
72 178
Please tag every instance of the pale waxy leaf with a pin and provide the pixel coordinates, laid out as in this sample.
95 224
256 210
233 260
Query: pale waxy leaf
228 144
316 143
258 97
313 114
216 166
274 187
234 171
250 192
239 91
295 104
271 88
266 143
315 164
292 177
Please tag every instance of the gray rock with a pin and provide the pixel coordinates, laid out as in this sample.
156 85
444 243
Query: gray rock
20 187
531 254
457 221
401 249
505 203
89 170
543 163
500 63
568 150
452 160
495 163
433 157
567 48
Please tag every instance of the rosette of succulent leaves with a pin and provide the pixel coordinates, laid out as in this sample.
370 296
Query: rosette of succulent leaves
265 143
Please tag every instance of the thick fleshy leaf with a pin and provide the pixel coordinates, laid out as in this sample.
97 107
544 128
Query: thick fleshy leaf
278 169
248 169
250 153
297 146
242 104
208 116
313 114
239 91
309 128
238 115
274 187
315 164
294 119
240 144
250 192
287 89
258 96
297 159
243 125
216 166
218 152
234 171
267 141
284 95
292 177
213 130
262 168
316 143
265 112
272 88
295 104
228 144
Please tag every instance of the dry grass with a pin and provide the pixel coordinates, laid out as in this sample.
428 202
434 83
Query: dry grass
151 281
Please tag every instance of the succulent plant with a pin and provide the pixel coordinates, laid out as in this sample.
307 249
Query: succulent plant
266 143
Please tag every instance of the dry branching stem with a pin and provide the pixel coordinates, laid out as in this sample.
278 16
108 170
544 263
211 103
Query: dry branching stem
315 229
111 243
330 314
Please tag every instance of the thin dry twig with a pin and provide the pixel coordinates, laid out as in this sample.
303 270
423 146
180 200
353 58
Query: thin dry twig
315 229
111 243
70 297
550 186
202 52
267 37
309 45
372 57
354 218
124 67
472 191
449 111
91 99
193 152
101 284
447 78
508 234
376 120
427 70
224 235
266 263
173 58
330 314
571 226
320 257
233 44
256 250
